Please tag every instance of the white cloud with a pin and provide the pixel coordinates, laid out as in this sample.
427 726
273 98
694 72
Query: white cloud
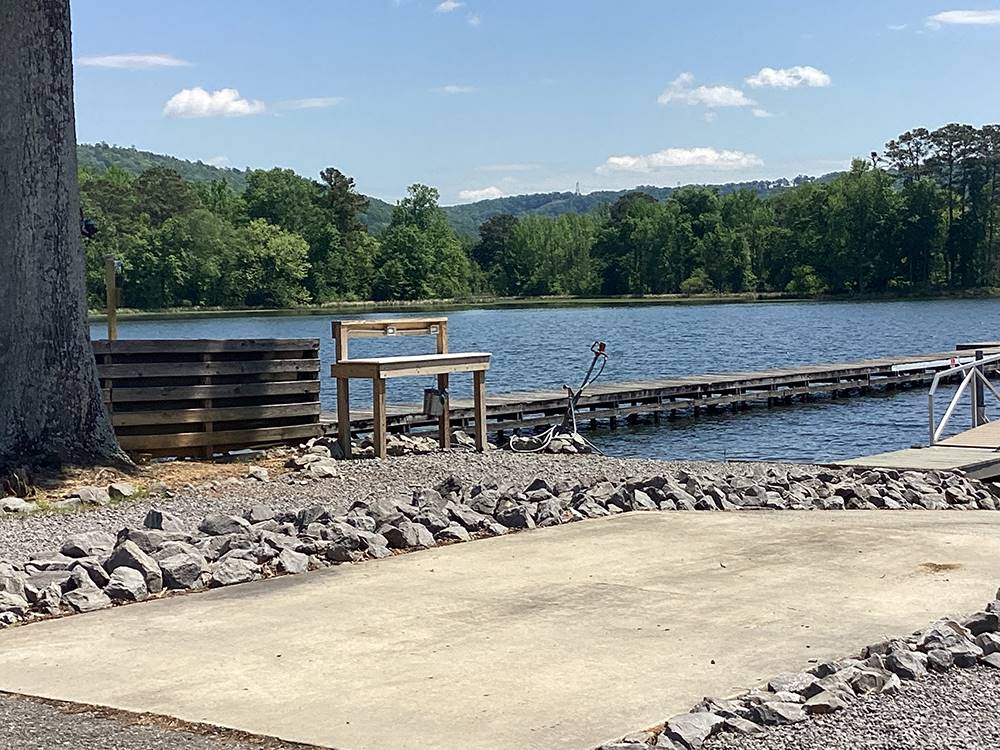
314 102
896 26
448 6
474 19
133 62
452 89
965 18
218 161
758 112
197 102
790 78
514 167
482 194
710 116
680 90
679 158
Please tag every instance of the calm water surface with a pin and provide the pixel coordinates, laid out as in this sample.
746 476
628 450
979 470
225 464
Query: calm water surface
546 347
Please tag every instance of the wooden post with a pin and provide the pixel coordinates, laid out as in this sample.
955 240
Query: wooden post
111 296
479 386
378 406
444 421
340 337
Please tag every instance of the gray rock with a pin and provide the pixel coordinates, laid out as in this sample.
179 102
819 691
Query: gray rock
87 599
738 725
129 555
93 496
433 518
94 570
221 525
983 622
691 730
163 520
126 585
829 701
993 660
516 517
13 603
466 516
940 660
792 682
183 570
453 533
88 544
259 473
989 643
121 490
324 468
259 513
907 665
234 570
16 505
874 680
292 562
777 713
428 498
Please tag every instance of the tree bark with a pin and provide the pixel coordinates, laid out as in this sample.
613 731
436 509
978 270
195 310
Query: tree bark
50 401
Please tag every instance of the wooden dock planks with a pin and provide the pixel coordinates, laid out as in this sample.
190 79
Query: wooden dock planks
613 401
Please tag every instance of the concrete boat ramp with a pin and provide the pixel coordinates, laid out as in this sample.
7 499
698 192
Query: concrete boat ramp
557 638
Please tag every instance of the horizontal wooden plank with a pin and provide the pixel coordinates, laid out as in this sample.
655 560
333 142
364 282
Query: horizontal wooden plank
221 390
260 436
397 367
389 327
203 369
199 346
214 414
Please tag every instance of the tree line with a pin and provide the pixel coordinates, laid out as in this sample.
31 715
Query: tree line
920 216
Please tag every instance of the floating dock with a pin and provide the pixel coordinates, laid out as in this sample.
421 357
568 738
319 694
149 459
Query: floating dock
612 403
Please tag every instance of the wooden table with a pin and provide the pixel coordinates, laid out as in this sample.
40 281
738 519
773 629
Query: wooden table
380 369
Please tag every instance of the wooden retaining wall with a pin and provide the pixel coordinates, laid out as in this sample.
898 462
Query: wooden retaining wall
196 397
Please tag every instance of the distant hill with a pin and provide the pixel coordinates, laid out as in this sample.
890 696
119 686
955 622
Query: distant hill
101 156
465 218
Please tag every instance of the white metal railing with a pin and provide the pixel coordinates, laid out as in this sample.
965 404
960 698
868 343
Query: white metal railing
976 376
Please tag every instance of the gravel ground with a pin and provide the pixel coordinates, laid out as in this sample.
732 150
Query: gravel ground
959 710
30 724
395 477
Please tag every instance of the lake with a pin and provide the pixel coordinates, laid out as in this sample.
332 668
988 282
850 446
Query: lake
545 347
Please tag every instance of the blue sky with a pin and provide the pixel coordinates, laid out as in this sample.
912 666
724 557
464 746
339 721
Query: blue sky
489 97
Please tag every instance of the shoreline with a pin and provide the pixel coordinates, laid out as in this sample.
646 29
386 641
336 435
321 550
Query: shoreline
490 303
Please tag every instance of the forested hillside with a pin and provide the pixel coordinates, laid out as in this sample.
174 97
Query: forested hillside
923 215
465 218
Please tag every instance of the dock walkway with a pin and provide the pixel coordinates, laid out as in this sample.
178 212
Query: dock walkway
612 402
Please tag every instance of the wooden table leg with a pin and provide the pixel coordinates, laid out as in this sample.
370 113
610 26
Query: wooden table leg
344 416
378 406
479 386
444 421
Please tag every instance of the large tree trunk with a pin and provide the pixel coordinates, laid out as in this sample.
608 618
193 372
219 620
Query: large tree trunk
50 402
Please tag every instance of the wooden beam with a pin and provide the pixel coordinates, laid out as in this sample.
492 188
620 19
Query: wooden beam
378 408
214 414
479 388
202 369
262 435
198 346
218 390
344 416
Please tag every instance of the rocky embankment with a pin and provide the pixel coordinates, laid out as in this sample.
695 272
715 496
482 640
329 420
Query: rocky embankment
94 568
793 698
